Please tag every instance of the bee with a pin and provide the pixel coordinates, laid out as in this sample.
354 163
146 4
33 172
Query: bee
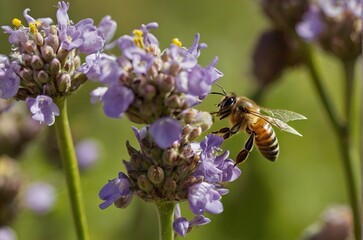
245 115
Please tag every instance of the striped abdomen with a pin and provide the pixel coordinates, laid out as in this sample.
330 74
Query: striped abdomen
265 139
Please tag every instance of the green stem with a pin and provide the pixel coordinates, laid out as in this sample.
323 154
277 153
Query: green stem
166 217
342 129
347 146
71 171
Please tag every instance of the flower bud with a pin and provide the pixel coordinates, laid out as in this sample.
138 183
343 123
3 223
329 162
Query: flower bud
170 185
53 42
54 67
41 77
39 39
36 62
123 202
78 80
63 83
169 156
26 74
189 115
166 83
155 174
149 92
22 94
53 29
77 62
50 89
29 47
47 53
173 101
69 66
144 183
27 59
196 132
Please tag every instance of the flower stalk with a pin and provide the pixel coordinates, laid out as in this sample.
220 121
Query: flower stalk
166 218
342 127
71 171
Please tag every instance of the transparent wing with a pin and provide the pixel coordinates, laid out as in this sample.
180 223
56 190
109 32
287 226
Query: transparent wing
279 117
281 114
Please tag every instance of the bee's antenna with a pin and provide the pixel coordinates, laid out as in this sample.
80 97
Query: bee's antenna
218 93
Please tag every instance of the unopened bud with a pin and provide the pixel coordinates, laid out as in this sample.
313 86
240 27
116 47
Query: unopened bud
27 59
64 83
22 94
29 47
189 115
170 185
144 183
53 30
123 202
186 129
155 174
69 66
54 67
77 62
166 83
47 53
149 92
169 156
50 89
78 80
36 62
41 77
196 132
53 42
26 74
39 40
173 101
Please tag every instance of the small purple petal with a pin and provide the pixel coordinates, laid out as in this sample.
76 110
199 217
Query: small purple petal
9 82
311 25
180 226
107 27
117 100
203 198
199 220
97 94
165 131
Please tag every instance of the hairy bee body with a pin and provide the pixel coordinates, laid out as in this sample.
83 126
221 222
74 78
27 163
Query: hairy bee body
245 115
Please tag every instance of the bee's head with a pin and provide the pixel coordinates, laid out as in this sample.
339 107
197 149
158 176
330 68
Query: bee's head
226 104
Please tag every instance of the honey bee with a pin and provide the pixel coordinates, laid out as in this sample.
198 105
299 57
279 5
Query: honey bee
245 115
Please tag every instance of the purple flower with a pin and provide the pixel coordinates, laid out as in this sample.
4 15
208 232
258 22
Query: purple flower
181 225
116 190
198 81
40 197
88 152
202 197
9 79
107 27
215 168
165 131
311 25
116 100
43 109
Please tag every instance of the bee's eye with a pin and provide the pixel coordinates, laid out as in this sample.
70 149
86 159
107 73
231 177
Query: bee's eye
229 102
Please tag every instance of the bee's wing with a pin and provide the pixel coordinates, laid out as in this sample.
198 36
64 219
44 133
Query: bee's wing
282 115
279 117
281 125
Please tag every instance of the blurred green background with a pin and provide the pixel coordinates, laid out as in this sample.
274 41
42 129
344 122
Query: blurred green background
269 201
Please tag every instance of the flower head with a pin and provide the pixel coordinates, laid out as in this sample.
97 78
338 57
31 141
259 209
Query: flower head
45 56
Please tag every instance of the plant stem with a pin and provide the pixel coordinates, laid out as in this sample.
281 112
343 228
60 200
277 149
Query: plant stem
347 146
165 216
342 129
71 171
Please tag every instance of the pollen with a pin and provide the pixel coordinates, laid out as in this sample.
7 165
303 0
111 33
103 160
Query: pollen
177 42
138 39
33 28
16 22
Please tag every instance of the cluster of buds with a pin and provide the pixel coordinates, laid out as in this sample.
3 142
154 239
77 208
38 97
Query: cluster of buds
151 86
44 59
336 26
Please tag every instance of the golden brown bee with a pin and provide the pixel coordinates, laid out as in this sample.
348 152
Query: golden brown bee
245 115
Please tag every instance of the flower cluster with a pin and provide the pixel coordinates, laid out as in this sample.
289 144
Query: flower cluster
151 86
187 170
159 89
44 59
335 25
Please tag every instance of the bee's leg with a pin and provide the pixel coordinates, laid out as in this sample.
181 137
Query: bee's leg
242 155
227 132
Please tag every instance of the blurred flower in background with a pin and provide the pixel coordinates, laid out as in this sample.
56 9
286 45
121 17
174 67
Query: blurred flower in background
40 197
336 223
7 233
88 152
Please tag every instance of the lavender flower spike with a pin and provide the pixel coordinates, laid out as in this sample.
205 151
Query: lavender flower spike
43 109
